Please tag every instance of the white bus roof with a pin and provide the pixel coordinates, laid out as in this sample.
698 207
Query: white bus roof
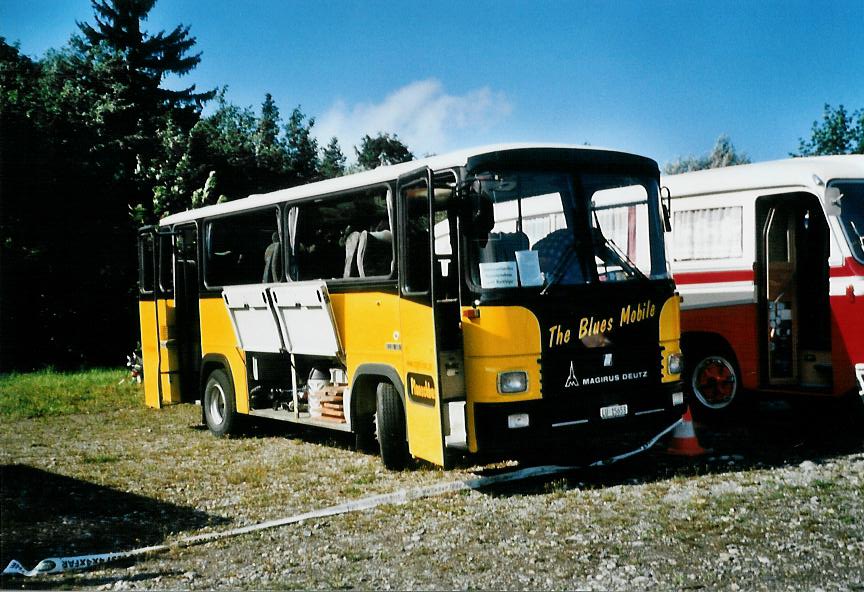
381 174
791 172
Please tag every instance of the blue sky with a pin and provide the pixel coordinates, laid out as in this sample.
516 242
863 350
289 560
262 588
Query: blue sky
662 79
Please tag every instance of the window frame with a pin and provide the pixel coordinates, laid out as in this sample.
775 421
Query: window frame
205 249
148 235
389 192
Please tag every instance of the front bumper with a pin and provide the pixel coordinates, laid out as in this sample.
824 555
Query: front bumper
552 429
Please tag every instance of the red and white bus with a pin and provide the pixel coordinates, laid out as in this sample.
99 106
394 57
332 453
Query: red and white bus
769 261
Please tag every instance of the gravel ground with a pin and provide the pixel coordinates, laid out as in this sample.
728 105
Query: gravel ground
777 504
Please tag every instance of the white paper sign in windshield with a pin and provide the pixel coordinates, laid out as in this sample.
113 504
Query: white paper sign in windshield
498 275
529 268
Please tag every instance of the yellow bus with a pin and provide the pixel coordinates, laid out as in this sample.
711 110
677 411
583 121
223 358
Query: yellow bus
507 300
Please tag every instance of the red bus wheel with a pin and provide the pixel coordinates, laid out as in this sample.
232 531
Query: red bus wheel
714 382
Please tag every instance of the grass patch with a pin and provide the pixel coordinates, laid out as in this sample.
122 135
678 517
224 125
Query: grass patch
252 475
98 459
49 393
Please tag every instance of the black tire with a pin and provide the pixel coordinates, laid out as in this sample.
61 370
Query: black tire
390 427
712 381
364 434
854 408
220 413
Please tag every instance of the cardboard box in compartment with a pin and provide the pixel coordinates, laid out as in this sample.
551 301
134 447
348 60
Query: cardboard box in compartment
815 368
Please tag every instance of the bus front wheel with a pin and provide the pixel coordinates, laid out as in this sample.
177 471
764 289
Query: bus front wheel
219 407
390 427
713 381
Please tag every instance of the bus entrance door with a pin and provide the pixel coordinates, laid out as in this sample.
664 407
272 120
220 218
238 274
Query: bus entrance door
170 328
420 373
186 314
792 261
148 312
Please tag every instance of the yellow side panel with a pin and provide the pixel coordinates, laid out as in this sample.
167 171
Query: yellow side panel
159 353
368 324
670 334
149 352
218 338
169 361
503 338
423 410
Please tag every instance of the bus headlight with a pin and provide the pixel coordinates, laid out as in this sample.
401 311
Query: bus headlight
512 382
674 364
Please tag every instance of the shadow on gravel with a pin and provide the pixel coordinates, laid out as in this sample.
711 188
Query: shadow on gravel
262 427
769 434
49 515
764 434
79 582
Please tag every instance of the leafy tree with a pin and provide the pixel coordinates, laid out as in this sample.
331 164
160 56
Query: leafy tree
17 75
839 132
225 143
383 149
84 133
332 160
722 155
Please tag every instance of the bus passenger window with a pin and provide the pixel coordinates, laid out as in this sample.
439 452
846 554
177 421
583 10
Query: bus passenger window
145 263
236 247
346 236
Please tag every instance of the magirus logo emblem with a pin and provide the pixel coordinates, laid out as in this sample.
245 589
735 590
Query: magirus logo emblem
571 378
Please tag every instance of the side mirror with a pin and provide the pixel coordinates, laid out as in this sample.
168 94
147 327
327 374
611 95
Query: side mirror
832 201
666 204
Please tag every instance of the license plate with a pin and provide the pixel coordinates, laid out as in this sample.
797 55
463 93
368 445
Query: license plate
613 411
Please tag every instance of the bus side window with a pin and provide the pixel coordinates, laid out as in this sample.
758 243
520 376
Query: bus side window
236 248
145 263
417 255
341 237
166 263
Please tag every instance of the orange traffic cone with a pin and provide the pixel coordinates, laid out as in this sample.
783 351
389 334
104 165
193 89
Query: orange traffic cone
684 441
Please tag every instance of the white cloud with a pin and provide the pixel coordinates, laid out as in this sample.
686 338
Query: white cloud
423 115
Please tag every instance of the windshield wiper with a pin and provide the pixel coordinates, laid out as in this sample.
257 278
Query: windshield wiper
632 267
857 233
560 267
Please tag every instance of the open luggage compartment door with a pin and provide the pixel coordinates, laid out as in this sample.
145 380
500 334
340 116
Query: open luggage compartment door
306 320
253 318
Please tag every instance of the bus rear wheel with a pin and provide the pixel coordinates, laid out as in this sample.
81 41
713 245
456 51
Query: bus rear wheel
713 381
390 427
220 413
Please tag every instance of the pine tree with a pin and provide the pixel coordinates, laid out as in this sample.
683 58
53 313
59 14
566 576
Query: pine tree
302 148
270 149
332 160
148 59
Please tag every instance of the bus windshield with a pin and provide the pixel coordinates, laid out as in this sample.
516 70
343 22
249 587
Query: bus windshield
555 228
852 214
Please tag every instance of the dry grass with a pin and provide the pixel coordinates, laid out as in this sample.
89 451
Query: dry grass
778 505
